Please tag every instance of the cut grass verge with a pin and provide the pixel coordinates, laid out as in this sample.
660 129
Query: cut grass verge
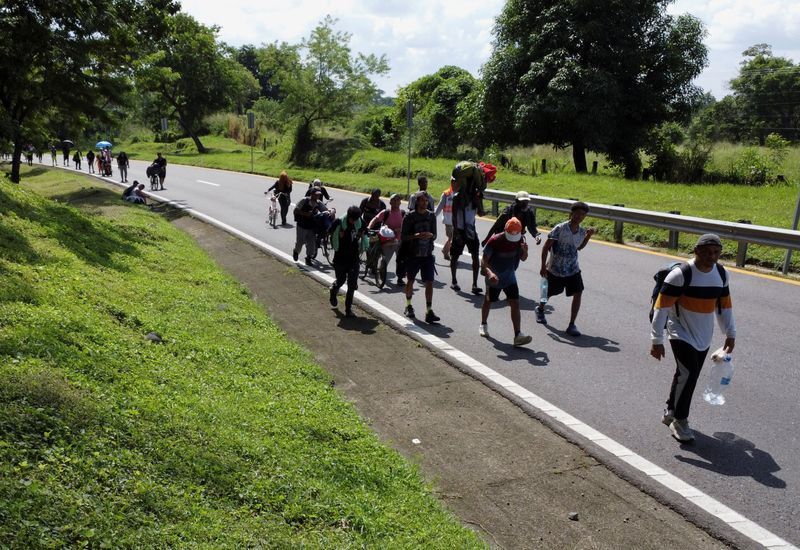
225 435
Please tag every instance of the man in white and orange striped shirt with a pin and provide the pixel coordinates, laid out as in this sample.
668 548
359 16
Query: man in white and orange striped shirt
692 295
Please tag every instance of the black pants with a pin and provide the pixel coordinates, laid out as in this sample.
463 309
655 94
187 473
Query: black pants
689 364
347 273
284 200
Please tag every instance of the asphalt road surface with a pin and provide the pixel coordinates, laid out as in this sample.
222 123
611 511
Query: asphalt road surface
746 454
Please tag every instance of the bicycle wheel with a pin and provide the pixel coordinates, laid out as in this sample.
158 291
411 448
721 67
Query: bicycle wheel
273 216
380 274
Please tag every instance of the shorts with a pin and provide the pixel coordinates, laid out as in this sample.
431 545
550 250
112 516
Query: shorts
556 285
424 265
459 240
493 292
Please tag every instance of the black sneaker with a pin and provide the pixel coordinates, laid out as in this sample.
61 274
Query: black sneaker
308 261
349 314
431 317
295 255
409 312
333 299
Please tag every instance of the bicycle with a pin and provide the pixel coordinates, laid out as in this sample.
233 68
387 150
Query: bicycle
274 207
375 260
324 221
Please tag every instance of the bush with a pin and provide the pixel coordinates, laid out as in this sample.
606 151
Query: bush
751 167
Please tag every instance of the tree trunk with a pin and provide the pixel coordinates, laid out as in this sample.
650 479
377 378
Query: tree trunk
633 166
302 143
16 158
196 139
579 156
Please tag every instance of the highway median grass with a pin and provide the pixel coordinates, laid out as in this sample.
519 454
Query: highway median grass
224 435
366 169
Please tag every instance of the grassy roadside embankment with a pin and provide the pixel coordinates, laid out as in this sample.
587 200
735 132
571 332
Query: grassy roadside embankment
226 435
367 169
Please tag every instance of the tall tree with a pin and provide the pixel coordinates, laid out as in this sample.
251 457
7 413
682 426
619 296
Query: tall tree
436 98
191 75
323 82
71 56
768 91
596 75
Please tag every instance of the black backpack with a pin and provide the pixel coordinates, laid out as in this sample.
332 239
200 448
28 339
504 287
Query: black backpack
686 270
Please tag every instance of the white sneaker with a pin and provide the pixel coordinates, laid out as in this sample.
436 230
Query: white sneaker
667 417
484 330
521 339
681 431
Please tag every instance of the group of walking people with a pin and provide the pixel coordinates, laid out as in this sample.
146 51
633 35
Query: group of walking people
685 310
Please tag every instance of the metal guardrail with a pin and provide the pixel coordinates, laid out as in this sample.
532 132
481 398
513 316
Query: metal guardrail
743 233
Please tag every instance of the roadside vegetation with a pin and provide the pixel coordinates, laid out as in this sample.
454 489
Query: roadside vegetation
224 435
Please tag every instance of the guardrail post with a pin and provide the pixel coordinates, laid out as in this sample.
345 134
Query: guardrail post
594 167
741 252
544 166
618 228
672 242
495 208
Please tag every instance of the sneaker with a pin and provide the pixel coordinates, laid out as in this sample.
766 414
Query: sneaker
484 330
431 317
400 282
409 312
572 330
521 339
455 287
681 431
349 314
540 316
477 290
295 255
334 300
308 261
667 417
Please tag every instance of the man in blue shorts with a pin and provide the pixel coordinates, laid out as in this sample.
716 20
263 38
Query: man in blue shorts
501 257
562 269
418 235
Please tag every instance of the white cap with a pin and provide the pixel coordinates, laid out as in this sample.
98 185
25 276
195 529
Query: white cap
523 196
317 182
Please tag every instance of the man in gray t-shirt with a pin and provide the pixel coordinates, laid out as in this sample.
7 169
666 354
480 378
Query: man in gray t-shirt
561 269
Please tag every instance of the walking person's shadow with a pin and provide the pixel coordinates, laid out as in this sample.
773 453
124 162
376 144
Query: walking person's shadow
727 454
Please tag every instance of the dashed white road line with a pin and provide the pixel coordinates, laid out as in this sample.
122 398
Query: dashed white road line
733 519
209 183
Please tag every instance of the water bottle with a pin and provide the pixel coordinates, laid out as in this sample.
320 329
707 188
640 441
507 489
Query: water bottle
543 290
719 380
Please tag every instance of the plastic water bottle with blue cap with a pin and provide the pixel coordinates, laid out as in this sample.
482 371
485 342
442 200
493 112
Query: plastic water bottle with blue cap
543 290
720 378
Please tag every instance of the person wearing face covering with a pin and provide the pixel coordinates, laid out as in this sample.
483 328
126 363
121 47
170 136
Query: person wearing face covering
501 257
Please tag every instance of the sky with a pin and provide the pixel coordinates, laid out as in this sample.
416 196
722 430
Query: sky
420 36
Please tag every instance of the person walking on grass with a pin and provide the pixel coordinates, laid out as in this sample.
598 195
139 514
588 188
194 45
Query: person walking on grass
561 267
418 235
692 296
501 257
348 239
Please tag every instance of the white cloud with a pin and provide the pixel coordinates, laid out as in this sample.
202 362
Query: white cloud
419 37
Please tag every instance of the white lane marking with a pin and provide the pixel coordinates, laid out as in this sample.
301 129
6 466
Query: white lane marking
733 519
208 183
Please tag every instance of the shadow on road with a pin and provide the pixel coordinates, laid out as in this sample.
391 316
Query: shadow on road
727 454
510 353
583 341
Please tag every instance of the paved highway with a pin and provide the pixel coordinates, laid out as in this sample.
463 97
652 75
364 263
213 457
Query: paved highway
746 453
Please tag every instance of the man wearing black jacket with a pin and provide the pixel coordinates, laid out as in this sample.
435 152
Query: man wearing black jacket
521 210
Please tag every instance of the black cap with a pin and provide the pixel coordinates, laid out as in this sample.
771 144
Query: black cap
708 238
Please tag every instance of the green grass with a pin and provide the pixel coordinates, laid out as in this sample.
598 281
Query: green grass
226 435
370 168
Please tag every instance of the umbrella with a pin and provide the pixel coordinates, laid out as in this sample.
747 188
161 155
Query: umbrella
103 144
67 142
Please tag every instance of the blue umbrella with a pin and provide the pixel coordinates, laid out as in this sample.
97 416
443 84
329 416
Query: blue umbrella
103 144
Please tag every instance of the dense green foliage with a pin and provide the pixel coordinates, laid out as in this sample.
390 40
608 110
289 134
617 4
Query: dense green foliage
189 76
226 435
64 59
594 75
